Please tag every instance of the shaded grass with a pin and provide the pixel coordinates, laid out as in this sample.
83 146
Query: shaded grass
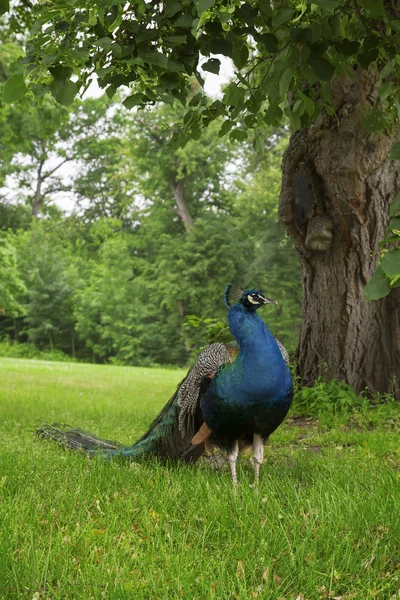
325 522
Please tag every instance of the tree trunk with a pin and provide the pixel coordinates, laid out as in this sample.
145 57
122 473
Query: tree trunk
37 199
178 190
336 189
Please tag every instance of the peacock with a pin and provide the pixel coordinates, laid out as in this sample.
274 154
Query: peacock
234 396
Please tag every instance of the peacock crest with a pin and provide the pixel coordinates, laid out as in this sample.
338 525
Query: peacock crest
231 293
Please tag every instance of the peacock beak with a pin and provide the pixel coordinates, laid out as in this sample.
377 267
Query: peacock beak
269 301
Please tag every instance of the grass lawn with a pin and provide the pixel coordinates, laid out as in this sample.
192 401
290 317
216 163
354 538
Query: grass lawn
325 522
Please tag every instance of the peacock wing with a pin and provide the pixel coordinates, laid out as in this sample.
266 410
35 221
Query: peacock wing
284 352
212 358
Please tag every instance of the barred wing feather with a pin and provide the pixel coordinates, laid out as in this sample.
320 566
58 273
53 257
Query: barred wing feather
209 361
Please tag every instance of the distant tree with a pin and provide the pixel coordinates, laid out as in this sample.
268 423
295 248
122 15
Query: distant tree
117 315
187 180
125 161
50 280
11 285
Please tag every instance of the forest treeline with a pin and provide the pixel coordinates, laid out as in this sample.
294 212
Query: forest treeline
134 271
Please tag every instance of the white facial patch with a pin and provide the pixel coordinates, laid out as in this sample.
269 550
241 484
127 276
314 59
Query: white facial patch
250 299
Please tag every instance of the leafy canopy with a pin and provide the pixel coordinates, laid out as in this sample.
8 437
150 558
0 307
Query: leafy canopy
156 49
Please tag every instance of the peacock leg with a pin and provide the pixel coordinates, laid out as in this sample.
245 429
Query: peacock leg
258 455
232 457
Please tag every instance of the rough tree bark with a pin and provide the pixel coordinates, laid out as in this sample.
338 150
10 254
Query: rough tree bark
178 190
336 189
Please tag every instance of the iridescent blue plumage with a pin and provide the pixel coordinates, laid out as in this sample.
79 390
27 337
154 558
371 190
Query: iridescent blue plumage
254 393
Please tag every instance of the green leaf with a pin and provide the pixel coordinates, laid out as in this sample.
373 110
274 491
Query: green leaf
378 286
328 5
285 81
293 118
308 103
394 224
234 94
395 206
240 54
219 46
270 42
375 7
117 22
60 72
283 15
67 94
395 152
368 57
14 88
273 115
104 42
184 21
386 89
181 96
48 59
92 17
265 10
395 282
174 65
116 49
259 144
171 8
4 6
133 100
390 263
390 235
204 5
226 126
156 58
212 65
195 101
374 120
249 121
322 68
238 134
348 47
316 32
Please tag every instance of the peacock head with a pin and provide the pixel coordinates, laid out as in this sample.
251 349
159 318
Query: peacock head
250 299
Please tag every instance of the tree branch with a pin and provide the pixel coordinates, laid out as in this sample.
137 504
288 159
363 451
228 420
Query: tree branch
50 173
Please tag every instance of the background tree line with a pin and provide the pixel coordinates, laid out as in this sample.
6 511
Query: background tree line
153 236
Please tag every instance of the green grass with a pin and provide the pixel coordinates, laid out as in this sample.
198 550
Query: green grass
325 522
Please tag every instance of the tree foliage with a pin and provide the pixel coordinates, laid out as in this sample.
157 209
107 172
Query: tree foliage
11 284
294 46
117 279
47 269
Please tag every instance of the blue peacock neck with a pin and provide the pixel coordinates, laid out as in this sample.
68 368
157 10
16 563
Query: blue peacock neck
247 327
259 355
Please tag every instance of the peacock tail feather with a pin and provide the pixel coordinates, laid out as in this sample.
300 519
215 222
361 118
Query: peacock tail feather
162 439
